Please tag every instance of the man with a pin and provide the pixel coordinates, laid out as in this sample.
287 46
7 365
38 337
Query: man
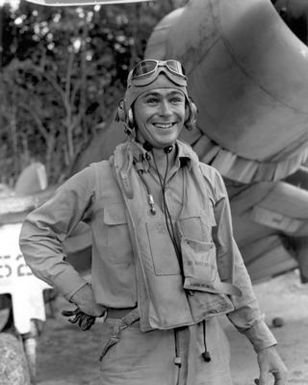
164 262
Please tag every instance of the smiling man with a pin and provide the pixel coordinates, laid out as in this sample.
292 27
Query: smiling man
164 262
160 116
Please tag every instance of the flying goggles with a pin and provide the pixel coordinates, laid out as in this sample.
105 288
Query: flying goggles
146 71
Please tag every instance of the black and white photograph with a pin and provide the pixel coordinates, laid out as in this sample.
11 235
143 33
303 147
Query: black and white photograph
153 192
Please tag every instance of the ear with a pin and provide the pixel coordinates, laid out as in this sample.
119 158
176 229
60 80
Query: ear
187 112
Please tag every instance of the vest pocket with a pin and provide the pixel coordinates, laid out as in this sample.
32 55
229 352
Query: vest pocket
116 235
198 228
199 263
163 254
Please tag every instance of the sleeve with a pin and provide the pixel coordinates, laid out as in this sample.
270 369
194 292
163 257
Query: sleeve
246 316
45 229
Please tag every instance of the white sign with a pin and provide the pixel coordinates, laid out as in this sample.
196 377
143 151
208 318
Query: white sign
17 280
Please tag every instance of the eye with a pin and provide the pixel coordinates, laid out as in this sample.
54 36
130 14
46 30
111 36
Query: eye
151 100
177 99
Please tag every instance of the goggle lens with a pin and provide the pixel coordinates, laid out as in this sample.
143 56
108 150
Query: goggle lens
149 67
175 66
143 68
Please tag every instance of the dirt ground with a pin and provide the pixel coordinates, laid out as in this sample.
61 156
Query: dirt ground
67 356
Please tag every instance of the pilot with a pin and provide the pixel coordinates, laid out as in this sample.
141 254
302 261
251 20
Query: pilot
164 261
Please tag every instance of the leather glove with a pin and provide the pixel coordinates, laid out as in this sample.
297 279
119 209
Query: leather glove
84 299
87 309
84 321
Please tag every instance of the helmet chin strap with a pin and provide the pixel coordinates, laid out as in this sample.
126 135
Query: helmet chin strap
149 147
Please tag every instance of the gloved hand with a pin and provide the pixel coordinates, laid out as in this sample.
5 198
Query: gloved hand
85 300
84 321
87 309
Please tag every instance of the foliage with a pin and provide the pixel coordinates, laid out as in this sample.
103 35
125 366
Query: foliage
63 71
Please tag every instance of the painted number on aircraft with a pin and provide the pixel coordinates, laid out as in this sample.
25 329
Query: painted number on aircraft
9 267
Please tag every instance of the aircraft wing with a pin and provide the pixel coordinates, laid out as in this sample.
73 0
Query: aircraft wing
83 2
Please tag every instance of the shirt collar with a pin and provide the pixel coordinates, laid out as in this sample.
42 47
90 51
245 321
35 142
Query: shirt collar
143 159
184 155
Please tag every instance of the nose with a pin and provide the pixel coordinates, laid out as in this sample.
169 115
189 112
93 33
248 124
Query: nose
165 108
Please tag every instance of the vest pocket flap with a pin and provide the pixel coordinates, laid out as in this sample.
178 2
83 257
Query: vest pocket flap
196 227
114 215
199 260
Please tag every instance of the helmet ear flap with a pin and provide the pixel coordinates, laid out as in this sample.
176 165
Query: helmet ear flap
121 112
191 118
125 117
130 118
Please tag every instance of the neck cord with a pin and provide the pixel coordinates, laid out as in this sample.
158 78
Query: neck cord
168 218
205 354
149 193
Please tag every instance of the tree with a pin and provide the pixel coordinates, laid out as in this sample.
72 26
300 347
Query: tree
63 72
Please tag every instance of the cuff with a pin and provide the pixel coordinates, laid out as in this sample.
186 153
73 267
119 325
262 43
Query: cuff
68 283
76 291
260 336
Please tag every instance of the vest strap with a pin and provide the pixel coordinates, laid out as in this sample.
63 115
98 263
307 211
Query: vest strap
220 287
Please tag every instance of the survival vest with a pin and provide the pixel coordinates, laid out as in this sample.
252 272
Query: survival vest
166 299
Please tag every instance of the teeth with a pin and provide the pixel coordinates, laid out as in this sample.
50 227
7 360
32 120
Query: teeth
163 125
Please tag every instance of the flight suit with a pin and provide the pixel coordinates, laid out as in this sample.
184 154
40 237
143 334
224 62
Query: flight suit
146 354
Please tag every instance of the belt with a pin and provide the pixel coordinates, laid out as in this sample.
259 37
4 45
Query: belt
118 313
